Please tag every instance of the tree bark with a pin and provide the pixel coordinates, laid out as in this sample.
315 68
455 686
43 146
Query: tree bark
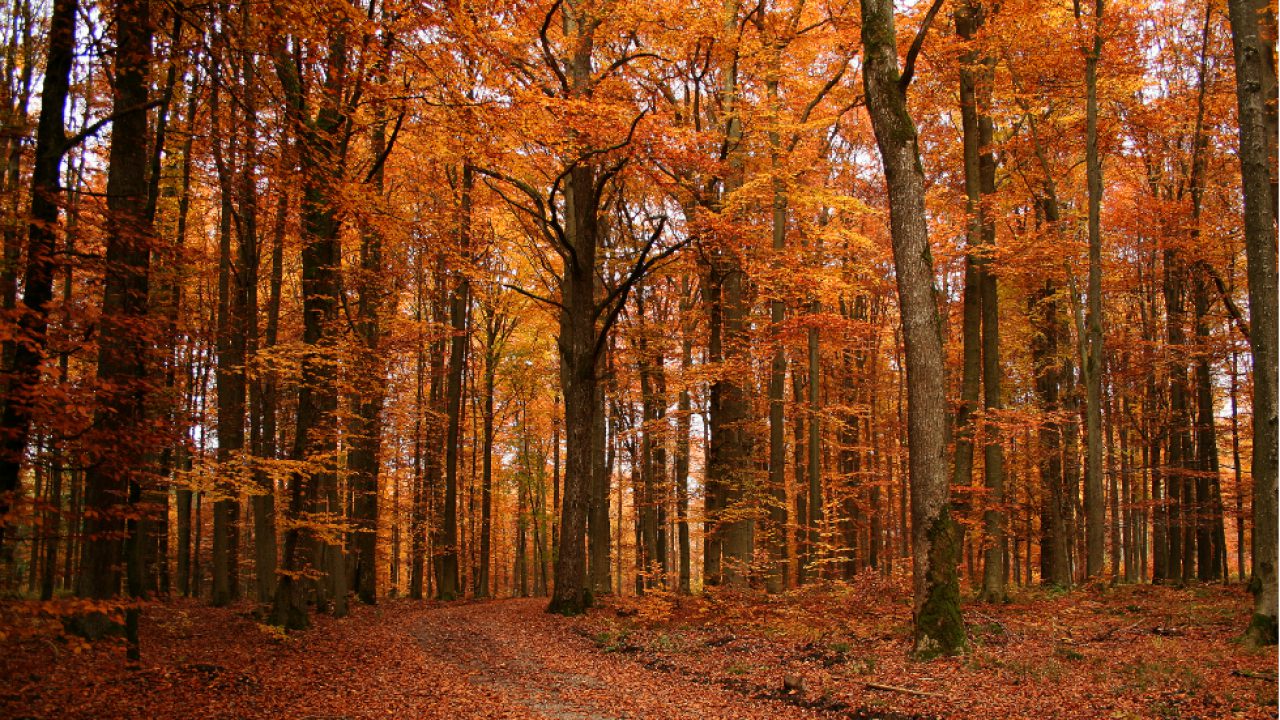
729 461
1055 567
813 552
598 537
494 331
983 343
418 511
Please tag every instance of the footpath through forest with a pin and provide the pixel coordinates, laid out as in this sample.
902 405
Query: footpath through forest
499 659
535 665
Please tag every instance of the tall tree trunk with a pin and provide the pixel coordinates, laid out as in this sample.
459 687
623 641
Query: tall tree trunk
684 412
1095 519
647 498
1255 61
1236 470
266 548
779 575
182 453
459 304
314 489
113 481
1208 506
939 628
364 457
578 384
1209 531
813 553
46 187
418 511
598 498
436 424
579 339
729 462
1181 453
1055 568
1129 541
1161 506
486 492
233 319
980 167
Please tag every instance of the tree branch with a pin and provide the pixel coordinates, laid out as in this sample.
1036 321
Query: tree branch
533 296
545 43
617 299
386 151
909 65
70 143
1234 311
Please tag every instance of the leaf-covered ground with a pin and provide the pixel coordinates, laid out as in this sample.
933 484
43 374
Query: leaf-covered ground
504 659
1125 652
838 652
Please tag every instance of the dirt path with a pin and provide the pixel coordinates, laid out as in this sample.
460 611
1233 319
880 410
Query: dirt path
534 665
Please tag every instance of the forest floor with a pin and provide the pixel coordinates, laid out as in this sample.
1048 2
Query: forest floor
838 651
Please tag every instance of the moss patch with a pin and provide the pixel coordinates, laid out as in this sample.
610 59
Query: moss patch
939 627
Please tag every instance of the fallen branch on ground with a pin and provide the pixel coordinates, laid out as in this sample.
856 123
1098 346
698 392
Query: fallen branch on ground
908 691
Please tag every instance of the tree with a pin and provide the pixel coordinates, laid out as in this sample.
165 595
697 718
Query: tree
939 628
1256 97
113 483
313 492
41 238
448 587
1092 361
981 289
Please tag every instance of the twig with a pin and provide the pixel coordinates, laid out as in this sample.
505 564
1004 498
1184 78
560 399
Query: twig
1116 629
1254 675
996 621
908 691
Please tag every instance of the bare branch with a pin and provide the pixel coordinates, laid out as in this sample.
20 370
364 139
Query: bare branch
70 143
909 65
533 296
545 43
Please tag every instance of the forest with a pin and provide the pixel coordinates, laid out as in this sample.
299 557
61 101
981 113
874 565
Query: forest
608 359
